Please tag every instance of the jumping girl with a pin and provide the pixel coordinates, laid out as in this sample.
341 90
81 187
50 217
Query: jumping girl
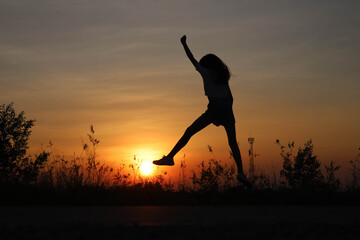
216 77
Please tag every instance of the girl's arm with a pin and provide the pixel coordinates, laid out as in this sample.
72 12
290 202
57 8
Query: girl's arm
188 52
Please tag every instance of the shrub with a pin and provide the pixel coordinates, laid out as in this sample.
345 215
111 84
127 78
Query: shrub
354 183
303 169
214 176
331 181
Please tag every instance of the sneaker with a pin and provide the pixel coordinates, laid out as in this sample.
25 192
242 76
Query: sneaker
165 160
243 179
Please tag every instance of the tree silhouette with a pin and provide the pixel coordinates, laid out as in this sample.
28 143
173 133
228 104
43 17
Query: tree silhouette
15 165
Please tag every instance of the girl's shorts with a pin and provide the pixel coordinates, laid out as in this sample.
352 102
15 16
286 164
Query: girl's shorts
220 111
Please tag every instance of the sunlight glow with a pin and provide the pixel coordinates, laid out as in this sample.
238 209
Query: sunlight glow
146 154
146 168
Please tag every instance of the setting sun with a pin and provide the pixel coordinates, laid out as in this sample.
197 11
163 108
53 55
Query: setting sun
146 168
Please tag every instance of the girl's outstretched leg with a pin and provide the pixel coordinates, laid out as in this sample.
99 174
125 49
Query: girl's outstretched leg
231 134
198 125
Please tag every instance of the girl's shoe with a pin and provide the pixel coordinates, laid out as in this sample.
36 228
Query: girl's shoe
243 179
165 160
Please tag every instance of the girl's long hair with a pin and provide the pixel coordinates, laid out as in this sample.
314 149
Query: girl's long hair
213 62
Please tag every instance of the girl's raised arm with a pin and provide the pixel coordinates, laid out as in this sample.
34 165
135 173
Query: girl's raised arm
187 51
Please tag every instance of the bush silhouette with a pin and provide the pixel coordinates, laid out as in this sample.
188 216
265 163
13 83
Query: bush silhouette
15 165
303 169
214 176
354 184
331 181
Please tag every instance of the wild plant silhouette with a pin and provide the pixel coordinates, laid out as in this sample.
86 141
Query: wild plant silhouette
52 178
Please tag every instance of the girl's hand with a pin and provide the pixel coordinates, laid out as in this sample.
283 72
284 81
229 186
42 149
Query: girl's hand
183 39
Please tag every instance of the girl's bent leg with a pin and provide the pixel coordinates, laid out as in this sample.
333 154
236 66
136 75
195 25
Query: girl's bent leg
198 125
231 134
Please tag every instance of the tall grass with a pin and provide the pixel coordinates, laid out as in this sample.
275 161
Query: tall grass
84 178
87 170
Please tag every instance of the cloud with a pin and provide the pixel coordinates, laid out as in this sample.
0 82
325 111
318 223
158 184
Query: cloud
121 63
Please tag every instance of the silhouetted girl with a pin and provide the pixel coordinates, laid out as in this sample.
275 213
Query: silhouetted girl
216 77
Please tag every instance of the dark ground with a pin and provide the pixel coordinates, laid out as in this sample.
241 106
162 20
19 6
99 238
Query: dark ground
180 222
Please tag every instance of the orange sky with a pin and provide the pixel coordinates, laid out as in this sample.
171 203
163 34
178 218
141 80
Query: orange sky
119 65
